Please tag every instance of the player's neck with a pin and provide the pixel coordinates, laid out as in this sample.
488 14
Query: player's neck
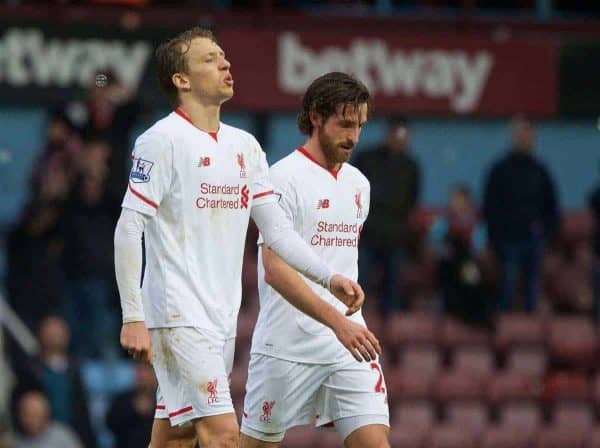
313 147
204 117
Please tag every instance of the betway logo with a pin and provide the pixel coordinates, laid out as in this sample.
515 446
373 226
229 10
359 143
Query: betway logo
27 57
435 73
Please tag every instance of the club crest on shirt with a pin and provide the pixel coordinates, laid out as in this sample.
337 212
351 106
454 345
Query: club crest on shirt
242 164
211 388
358 203
267 409
140 172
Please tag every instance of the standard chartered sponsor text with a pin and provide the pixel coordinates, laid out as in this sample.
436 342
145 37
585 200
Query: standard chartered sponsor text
209 201
324 238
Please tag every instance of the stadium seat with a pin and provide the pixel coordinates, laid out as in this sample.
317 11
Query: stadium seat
566 385
405 437
426 360
410 328
417 415
474 360
407 384
454 333
594 438
449 436
577 415
596 388
577 225
522 417
505 437
561 437
518 328
455 385
527 359
510 385
573 340
470 415
374 322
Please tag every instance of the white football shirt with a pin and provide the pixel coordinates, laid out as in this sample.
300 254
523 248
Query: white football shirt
199 189
327 210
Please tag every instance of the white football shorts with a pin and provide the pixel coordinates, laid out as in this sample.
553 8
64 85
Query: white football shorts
281 394
192 372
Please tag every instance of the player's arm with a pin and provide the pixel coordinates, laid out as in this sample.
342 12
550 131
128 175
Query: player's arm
149 182
128 269
279 235
359 341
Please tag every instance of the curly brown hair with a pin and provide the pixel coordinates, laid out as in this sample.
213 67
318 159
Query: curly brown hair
171 58
326 93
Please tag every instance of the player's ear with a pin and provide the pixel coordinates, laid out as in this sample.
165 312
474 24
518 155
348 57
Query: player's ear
315 118
181 81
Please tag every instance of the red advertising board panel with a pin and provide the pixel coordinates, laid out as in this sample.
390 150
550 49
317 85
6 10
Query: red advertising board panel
405 74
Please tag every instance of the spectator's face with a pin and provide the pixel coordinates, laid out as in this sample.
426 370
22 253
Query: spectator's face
523 136
94 160
341 132
459 202
54 335
398 138
208 77
55 182
58 132
98 151
34 413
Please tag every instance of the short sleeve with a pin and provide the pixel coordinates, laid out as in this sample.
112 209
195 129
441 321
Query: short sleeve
150 176
261 187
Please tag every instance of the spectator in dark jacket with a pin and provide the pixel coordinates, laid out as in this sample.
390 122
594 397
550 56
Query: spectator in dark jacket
395 179
522 215
594 204
33 281
87 225
131 413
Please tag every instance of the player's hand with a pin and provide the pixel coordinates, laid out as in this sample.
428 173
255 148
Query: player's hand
358 340
348 292
136 340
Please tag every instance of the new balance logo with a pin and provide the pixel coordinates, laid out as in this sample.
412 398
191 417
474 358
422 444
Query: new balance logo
323 203
204 161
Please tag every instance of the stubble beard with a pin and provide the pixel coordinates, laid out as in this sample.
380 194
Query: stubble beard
333 153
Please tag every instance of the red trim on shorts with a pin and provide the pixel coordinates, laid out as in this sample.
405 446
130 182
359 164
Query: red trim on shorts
179 111
264 193
180 411
160 407
309 156
143 198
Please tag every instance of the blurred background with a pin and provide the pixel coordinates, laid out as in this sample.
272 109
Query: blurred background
480 258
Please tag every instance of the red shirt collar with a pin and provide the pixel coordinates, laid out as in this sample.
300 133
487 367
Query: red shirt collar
179 111
309 156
